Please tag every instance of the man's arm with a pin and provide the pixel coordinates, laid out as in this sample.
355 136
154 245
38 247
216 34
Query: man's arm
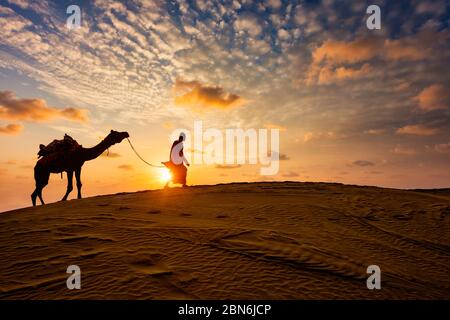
185 160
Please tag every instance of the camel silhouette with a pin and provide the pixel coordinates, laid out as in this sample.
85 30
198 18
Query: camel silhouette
70 162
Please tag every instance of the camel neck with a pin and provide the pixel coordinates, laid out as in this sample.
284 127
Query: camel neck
96 151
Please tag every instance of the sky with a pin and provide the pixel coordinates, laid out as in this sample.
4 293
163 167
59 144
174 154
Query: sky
352 105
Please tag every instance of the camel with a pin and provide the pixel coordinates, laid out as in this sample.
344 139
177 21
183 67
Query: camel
70 162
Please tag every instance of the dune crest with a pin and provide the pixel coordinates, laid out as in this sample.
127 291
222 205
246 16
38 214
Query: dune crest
284 240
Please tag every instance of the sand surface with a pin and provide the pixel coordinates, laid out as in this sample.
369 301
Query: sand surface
235 241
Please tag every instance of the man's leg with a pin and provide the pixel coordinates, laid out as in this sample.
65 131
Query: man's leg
184 174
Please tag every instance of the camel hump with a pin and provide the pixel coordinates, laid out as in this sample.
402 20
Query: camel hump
64 145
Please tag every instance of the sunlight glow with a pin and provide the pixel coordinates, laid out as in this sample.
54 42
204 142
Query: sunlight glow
165 175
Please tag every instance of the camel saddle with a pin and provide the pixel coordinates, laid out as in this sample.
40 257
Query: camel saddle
64 145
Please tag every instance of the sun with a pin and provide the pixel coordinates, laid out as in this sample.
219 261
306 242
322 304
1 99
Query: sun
165 175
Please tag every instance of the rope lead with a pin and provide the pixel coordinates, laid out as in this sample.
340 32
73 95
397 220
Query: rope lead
151 165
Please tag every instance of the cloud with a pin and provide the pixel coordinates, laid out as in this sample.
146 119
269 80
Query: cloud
125 167
442 148
363 163
413 48
374 172
281 156
271 126
328 75
74 114
434 7
433 97
375 131
11 129
110 154
418 130
275 4
358 50
309 136
227 166
406 151
38 6
248 23
344 73
203 96
290 174
22 3
13 108
402 85
283 34
332 54
405 49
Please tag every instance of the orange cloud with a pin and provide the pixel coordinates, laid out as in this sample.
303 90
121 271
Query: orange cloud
405 49
442 148
280 156
375 131
271 126
309 136
328 60
405 151
227 166
327 75
362 49
415 47
433 97
74 114
290 174
358 50
35 109
11 129
203 96
110 154
417 130
402 86
363 163
126 167
332 53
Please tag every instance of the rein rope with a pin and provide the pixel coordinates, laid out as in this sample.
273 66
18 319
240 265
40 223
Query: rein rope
147 163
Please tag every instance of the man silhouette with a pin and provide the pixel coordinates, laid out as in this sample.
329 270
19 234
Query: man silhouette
177 161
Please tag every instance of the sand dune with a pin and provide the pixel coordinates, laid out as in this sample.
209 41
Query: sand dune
237 241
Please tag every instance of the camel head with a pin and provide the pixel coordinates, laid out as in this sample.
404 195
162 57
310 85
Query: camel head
116 137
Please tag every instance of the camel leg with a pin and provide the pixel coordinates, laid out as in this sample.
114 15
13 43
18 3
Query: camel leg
41 178
69 185
34 196
37 193
40 195
78 178
42 186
